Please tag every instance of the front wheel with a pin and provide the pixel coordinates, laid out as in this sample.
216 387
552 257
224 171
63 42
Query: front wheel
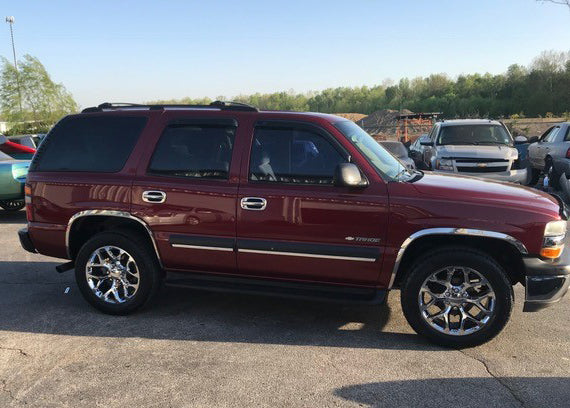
117 273
457 297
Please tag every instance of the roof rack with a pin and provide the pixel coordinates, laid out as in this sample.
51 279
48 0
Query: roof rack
222 105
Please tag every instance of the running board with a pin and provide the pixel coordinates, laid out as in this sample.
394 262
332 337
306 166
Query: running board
252 286
65 267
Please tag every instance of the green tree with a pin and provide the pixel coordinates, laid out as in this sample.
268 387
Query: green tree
29 99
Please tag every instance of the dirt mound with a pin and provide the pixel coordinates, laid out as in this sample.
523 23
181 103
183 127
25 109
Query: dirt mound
382 118
355 117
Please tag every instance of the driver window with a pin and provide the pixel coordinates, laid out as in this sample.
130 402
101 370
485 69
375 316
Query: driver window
290 155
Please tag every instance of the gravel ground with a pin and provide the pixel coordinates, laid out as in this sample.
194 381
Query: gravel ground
203 349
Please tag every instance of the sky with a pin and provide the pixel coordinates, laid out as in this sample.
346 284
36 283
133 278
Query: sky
137 51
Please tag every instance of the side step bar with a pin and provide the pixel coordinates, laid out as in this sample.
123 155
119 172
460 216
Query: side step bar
308 291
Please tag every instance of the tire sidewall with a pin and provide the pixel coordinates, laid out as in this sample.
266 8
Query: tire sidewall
483 265
148 274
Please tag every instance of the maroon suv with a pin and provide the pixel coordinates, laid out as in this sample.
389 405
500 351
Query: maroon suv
226 197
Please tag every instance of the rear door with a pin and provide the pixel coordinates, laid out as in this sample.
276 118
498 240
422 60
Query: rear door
293 223
186 190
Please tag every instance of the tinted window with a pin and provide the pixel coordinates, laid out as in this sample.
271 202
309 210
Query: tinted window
197 151
98 144
290 155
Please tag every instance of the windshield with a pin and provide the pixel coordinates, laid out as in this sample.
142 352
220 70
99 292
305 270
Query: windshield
385 163
396 148
474 135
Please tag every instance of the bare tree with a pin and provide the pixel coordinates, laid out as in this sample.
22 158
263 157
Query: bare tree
561 2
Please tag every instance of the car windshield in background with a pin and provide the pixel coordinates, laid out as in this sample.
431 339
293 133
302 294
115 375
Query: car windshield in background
385 163
474 135
396 148
4 157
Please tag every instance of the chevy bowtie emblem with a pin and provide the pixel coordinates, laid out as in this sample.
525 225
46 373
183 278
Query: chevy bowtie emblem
362 239
481 164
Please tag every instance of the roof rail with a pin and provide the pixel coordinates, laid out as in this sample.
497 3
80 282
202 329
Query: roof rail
222 105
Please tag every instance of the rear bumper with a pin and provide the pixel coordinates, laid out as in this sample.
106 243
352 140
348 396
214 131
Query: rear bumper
546 283
26 241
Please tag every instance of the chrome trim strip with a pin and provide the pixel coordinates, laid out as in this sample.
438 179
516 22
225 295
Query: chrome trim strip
109 213
210 248
452 231
344 258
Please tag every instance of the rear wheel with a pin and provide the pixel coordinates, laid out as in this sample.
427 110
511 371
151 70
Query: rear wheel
12 205
117 273
534 176
457 297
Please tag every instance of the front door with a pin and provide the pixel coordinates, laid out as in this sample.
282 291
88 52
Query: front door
293 223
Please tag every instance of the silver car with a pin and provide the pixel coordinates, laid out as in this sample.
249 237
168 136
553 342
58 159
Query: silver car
554 144
474 147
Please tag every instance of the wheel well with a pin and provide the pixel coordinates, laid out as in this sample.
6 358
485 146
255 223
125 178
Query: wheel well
86 227
504 253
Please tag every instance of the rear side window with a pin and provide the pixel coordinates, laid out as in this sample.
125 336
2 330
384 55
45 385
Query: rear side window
290 155
194 151
89 144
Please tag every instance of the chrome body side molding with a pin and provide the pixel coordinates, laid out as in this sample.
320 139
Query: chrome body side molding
109 213
452 231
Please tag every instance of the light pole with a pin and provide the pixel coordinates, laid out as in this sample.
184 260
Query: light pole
10 20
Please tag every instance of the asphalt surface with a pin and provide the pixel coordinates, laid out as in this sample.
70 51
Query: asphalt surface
204 349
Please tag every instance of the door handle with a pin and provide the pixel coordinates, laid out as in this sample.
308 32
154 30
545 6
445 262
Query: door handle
253 203
155 197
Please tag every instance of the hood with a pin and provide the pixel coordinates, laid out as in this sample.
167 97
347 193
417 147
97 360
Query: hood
477 152
486 191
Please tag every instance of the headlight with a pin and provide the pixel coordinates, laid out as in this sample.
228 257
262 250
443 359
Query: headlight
553 242
444 164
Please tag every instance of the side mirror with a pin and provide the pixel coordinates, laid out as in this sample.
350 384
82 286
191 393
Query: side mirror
521 139
533 139
426 143
348 175
3 139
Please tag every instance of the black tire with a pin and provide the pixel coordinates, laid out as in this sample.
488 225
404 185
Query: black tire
12 205
457 256
149 271
553 178
534 177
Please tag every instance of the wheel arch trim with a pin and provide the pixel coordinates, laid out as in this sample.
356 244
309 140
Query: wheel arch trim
455 232
108 213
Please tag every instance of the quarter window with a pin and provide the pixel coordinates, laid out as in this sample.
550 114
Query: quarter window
89 144
194 151
293 155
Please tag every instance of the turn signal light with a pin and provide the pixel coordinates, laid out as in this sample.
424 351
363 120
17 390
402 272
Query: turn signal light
551 253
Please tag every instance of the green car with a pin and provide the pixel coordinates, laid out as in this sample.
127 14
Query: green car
12 175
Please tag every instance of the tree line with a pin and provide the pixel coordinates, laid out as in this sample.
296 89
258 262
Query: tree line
31 101
541 89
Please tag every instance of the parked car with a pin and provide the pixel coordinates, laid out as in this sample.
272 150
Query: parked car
474 147
417 152
32 141
399 151
12 177
553 144
221 197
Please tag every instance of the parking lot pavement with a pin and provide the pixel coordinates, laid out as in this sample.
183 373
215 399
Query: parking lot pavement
206 349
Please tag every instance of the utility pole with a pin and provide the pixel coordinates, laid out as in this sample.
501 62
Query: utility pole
10 20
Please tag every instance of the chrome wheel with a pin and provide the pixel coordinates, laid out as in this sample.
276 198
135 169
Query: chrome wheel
457 300
112 274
